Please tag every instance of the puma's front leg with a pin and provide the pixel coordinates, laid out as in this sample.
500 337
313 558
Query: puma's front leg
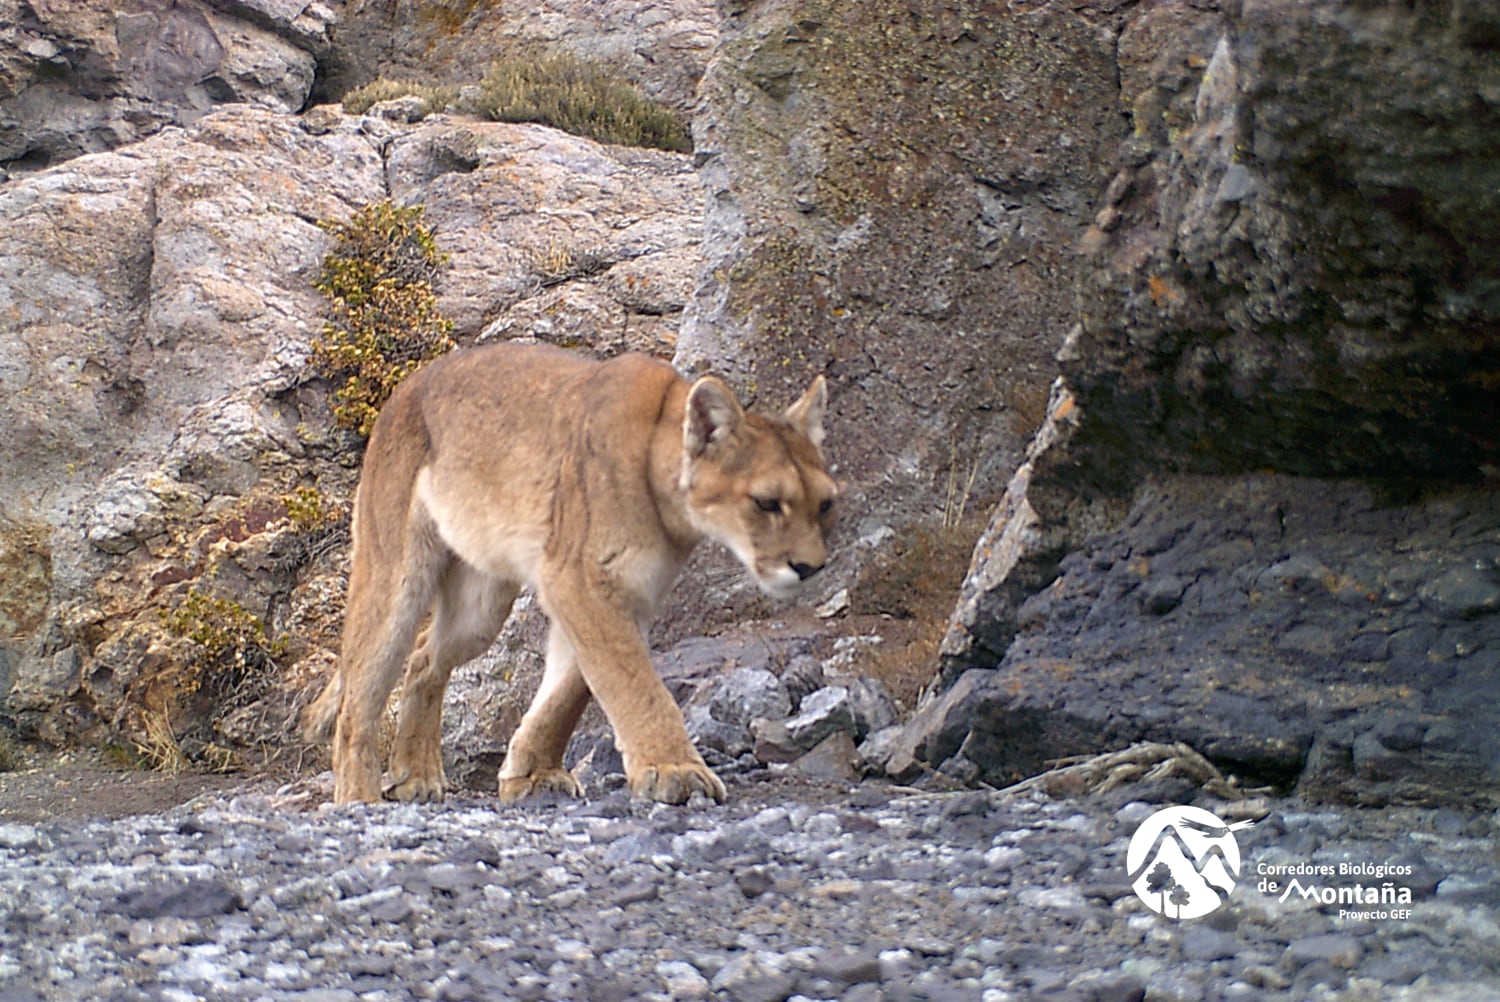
660 760
534 761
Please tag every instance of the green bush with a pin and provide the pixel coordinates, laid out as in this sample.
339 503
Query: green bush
434 99
384 322
577 96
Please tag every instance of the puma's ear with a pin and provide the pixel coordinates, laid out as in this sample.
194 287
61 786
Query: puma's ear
806 415
713 415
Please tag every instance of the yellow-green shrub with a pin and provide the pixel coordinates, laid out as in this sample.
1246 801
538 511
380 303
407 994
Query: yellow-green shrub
383 323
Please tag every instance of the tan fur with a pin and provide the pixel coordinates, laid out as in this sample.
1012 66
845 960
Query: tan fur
505 466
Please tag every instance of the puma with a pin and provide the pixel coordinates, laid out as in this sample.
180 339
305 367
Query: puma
506 466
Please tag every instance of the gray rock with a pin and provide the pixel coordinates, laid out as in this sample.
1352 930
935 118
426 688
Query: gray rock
1254 666
746 978
875 751
85 79
847 967
1194 256
833 760
747 694
180 899
820 714
871 705
803 675
774 743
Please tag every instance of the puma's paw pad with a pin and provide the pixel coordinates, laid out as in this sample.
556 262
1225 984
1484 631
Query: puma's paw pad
675 783
549 781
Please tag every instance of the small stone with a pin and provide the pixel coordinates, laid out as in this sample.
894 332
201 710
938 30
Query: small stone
802 676
753 881
773 743
189 899
745 979
634 893
848 966
1263 976
1339 951
871 705
1461 889
1202 944
683 980
837 602
876 750
1117 986
167 931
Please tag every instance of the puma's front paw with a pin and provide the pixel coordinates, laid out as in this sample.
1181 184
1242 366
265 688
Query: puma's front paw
543 782
417 789
676 782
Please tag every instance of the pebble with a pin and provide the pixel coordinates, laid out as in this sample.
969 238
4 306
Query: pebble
786 892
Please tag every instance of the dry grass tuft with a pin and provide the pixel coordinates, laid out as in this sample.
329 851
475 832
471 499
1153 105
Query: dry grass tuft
578 96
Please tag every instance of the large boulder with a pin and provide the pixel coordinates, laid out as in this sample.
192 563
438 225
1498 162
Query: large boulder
1292 269
1292 630
80 77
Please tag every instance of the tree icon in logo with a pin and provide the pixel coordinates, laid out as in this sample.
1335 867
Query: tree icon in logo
1184 857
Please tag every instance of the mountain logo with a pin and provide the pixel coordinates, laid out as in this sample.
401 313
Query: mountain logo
1183 861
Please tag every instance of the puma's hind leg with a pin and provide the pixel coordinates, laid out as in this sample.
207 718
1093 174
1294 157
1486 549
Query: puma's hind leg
380 625
469 611
534 759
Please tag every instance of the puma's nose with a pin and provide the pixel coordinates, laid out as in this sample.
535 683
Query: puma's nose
805 571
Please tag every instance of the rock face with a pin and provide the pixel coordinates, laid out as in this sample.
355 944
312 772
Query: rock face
881 186
156 315
79 77
1293 269
1322 238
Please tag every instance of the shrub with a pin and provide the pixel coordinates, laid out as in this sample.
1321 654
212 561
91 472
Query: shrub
384 322
585 98
362 99
231 642
231 665
321 523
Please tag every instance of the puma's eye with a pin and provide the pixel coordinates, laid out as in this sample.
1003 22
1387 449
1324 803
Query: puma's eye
826 506
771 506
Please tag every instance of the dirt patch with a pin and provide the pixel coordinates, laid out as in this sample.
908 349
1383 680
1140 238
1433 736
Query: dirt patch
81 786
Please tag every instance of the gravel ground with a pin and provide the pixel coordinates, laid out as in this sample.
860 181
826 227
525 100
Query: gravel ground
790 890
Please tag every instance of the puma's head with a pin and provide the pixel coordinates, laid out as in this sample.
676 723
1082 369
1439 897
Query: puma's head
759 484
